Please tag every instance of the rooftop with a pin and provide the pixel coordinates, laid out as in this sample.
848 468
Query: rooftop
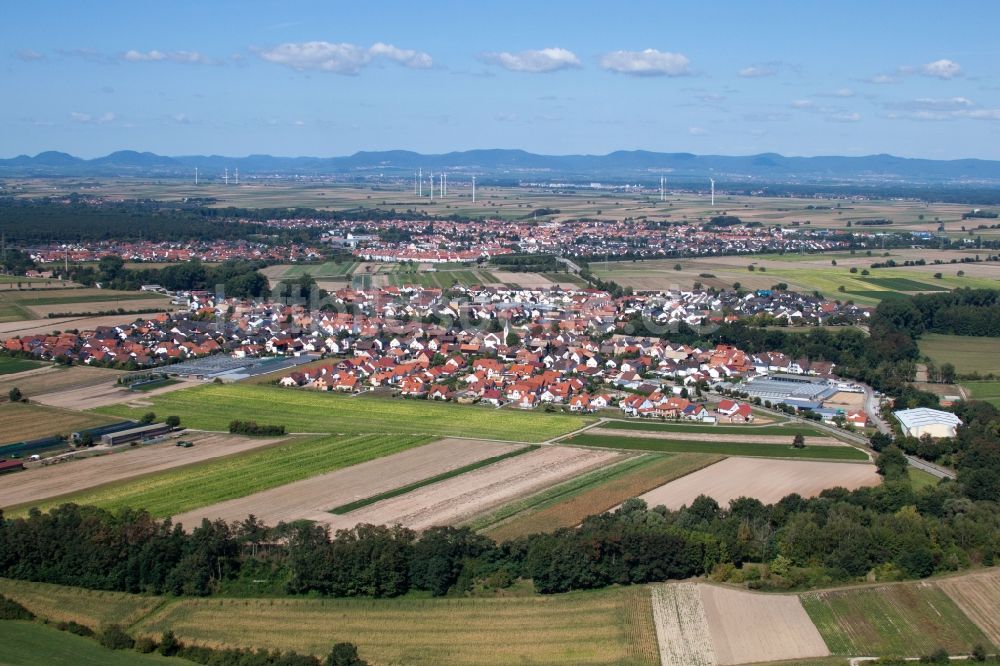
921 416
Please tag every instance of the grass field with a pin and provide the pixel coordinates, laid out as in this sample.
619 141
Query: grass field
901 284
329 269
20 422
568 504
656 426
9 366
34 644
93 608
903 620
183 489
604 627
967 354
718 448
920 479
213 407
988 391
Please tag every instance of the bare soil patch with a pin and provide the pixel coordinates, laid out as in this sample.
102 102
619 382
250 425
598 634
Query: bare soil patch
463 497
46 326
526 280
747 627
749 438
103 306
852 402
978 596
312 498
89 397
21 422
40 483
761 478
57 378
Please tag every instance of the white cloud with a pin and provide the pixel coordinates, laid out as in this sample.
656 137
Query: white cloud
534 61
979 114
841 92
942 69
342 58
29 55
844 117
80 117
804 105
697 131
181 57
882 79
646 63
102 119
758 71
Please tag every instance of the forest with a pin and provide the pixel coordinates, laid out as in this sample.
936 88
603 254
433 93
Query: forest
239 278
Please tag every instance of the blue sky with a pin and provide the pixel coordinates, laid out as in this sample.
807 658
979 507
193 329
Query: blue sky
915 79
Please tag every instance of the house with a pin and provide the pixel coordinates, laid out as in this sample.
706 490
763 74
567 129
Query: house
857 419
727 407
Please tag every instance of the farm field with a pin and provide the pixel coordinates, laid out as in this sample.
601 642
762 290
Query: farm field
318 494
469 495
9 365
75 475
903 620
746 627
682 625
20 421
748 437
212 407
567 504
719 448
790 429
93 608
56 378
988 391
766 480
967 354
175 491
576 629
16 305
978 596
329 269
34 644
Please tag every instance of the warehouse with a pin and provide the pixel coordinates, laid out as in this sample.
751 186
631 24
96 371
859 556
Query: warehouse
924 421
793 390
135 434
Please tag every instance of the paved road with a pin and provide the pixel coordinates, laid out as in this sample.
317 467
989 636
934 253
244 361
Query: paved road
931 468
569 264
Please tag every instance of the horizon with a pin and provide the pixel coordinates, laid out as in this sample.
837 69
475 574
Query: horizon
558 79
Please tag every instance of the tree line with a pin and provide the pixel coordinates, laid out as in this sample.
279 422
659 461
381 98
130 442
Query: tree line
239 278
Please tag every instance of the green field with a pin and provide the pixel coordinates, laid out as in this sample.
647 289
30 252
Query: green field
212 407
719 448
901 620
611 626
34 644
654 426
34 298
967 354
901 284
329 269
9 366
988 391
920 479
176 491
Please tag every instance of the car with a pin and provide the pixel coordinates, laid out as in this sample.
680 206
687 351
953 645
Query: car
185 444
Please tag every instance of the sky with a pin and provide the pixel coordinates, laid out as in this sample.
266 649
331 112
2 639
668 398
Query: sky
915 79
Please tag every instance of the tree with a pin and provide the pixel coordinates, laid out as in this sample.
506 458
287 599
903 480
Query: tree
169 645
173 421
15 395
799 441
344 654
512 339
947 373
148 417
113 637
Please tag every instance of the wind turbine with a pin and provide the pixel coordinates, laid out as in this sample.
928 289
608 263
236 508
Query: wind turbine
420 181
473 189
225 175
712 181
196 175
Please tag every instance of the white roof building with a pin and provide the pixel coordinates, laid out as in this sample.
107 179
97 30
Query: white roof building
923 421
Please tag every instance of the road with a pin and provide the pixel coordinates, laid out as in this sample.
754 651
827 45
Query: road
569 264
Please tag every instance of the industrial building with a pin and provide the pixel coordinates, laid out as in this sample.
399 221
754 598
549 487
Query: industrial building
924 421
150 431
798 391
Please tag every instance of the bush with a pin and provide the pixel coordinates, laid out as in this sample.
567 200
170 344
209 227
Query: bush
145 645
148 417
75 628
113 637
237 427
11 610
344 654
15 395
173 421
169 645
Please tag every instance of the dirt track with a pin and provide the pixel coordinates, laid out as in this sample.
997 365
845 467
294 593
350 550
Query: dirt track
463 497
715 437
54 480
748 628
312 498
763 479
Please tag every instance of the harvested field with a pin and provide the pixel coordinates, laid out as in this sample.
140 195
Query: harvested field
76 474
525 280
90 397
766 480
747 627
568 504
790 429
682 626
317 495
57 378
20 421
631 442
464 497
22 326
968 354
892 620
749 437
978 596
127 304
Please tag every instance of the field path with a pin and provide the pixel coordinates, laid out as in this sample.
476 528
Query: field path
682 626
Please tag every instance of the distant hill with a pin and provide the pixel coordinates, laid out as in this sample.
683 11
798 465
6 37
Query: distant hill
619 166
